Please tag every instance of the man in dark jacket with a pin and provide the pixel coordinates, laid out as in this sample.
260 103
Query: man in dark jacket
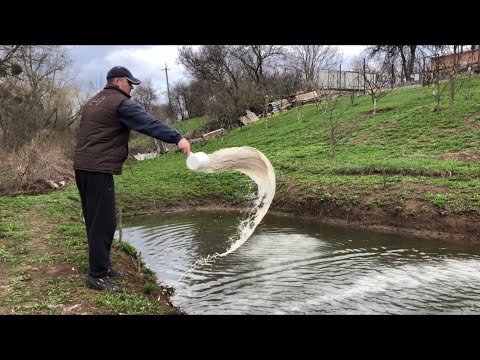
101 149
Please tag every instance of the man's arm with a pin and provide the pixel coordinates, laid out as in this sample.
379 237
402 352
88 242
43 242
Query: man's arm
135 117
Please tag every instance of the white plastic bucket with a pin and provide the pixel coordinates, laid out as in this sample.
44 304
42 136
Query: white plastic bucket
198 161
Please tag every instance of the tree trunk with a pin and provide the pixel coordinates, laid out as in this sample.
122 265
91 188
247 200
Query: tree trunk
404 65
411 60
452 97
160 147
333 136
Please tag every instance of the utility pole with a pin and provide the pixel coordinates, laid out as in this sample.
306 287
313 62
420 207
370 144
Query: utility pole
168 87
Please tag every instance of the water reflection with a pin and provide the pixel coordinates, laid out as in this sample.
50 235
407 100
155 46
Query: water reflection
290 266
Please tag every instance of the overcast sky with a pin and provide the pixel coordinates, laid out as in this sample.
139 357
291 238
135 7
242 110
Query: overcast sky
92 62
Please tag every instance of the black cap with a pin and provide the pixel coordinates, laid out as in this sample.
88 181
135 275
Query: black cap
120 71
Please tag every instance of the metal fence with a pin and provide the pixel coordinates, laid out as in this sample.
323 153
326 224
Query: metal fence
342 80
354 81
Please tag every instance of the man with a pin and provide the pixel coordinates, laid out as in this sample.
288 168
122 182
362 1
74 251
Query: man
101 149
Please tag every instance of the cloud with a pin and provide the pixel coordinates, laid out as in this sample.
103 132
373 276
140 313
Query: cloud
92 63
352 50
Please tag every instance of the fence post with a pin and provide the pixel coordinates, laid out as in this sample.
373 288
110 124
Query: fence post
340 79
364 76
423 72
358 81
392 78
120 223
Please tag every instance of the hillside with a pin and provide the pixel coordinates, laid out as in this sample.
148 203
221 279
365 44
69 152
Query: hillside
406 169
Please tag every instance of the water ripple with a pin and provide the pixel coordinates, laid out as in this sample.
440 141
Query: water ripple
298 268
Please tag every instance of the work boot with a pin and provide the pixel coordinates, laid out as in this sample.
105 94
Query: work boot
114 273
102 283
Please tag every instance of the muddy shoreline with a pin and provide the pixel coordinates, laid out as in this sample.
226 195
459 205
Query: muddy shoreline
425 221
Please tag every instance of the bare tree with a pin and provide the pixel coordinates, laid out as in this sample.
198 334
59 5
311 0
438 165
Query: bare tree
310 59
198 98
229 92
377 79
179 97
406 54
440 64
453 77
39 106
465 81
161 111
40 97
283 82
8 65
451 66
211 63
232 79
146 95
9 70
333 109
214 65
256 58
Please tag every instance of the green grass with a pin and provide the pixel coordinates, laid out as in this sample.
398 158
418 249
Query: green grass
124 303
383 161
143 143
46 231
403 144
191 124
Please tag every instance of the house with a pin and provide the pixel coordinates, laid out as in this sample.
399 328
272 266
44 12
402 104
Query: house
467 61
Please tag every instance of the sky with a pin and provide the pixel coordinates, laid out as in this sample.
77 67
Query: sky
92 62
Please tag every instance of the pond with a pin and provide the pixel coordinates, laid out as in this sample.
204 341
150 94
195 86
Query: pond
293 266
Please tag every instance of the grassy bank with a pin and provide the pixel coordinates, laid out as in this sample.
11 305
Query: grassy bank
43 263
408 169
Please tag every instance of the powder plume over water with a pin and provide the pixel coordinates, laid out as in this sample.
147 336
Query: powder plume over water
255 165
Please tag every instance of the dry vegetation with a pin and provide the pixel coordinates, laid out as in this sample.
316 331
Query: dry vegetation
32 168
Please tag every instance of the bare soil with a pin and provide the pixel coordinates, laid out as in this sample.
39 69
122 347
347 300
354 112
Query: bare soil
44 275
415 217
466 156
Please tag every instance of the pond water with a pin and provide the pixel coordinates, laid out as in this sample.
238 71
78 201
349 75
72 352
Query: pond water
292 266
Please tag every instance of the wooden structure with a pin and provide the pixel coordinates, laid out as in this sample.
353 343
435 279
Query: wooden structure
214 134
146 156
248 118
305 98
277 106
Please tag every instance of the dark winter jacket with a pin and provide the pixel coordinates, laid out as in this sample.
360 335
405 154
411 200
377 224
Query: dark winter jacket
105 124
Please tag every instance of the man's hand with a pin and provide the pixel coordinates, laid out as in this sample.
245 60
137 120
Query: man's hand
184 145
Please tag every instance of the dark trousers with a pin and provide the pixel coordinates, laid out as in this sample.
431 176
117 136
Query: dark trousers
97 193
